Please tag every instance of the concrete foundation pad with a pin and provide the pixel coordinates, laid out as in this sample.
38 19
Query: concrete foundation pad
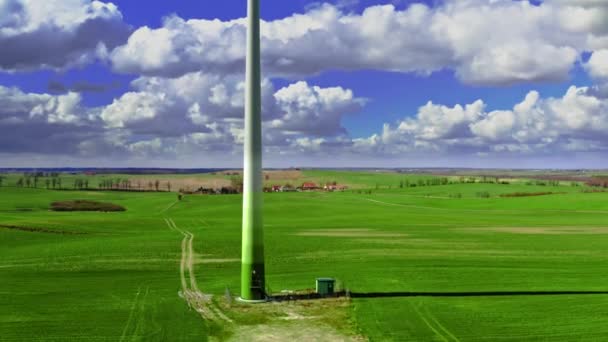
252 301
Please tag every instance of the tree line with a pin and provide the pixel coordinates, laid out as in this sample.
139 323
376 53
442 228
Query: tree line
55 182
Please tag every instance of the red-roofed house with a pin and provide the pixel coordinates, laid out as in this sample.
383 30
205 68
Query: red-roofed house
309 186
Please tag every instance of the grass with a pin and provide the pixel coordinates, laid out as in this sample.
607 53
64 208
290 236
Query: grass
120 279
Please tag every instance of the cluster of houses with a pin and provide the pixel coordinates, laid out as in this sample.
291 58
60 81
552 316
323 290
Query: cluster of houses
308 186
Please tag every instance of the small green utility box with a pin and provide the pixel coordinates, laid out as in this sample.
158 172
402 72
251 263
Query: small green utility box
325 286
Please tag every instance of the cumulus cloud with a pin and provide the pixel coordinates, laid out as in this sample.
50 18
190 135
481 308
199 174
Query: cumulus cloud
42 123
314 110
597 66
172 107
188 97
484 42
57 33
148 124
577 121
211 106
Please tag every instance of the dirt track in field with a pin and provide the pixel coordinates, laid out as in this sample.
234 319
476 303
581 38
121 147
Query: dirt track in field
190 291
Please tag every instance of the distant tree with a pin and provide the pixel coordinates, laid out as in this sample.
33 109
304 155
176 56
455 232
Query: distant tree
179 197
59 182
483 194
401 184
169 186
150 185
47 182
236 182
28 182
20 182
156 184
1 180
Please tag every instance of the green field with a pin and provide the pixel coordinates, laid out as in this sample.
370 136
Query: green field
453 262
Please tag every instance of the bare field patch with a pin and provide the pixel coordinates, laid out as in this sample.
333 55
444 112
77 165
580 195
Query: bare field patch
213 181
354 232
86 205
271 175
285 175
40 230
303 320
186 184
544 230
291 332
413 251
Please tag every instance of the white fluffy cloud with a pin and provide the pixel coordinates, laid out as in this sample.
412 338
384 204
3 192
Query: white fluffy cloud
577 121
188 97
597 65
18 106
42 123
205 111
307 121
57 33
484 42
314 110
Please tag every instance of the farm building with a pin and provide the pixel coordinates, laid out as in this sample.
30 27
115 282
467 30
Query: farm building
309 186
330 187
288 188
334 187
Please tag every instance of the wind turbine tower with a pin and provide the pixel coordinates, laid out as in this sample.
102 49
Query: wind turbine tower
252 261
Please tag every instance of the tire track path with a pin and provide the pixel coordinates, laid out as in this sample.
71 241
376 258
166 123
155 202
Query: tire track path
433 324
190 291
134 322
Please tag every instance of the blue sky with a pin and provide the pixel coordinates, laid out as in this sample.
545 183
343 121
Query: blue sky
376 114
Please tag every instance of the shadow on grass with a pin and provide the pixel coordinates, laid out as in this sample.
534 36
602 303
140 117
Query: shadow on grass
312 295
472 294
